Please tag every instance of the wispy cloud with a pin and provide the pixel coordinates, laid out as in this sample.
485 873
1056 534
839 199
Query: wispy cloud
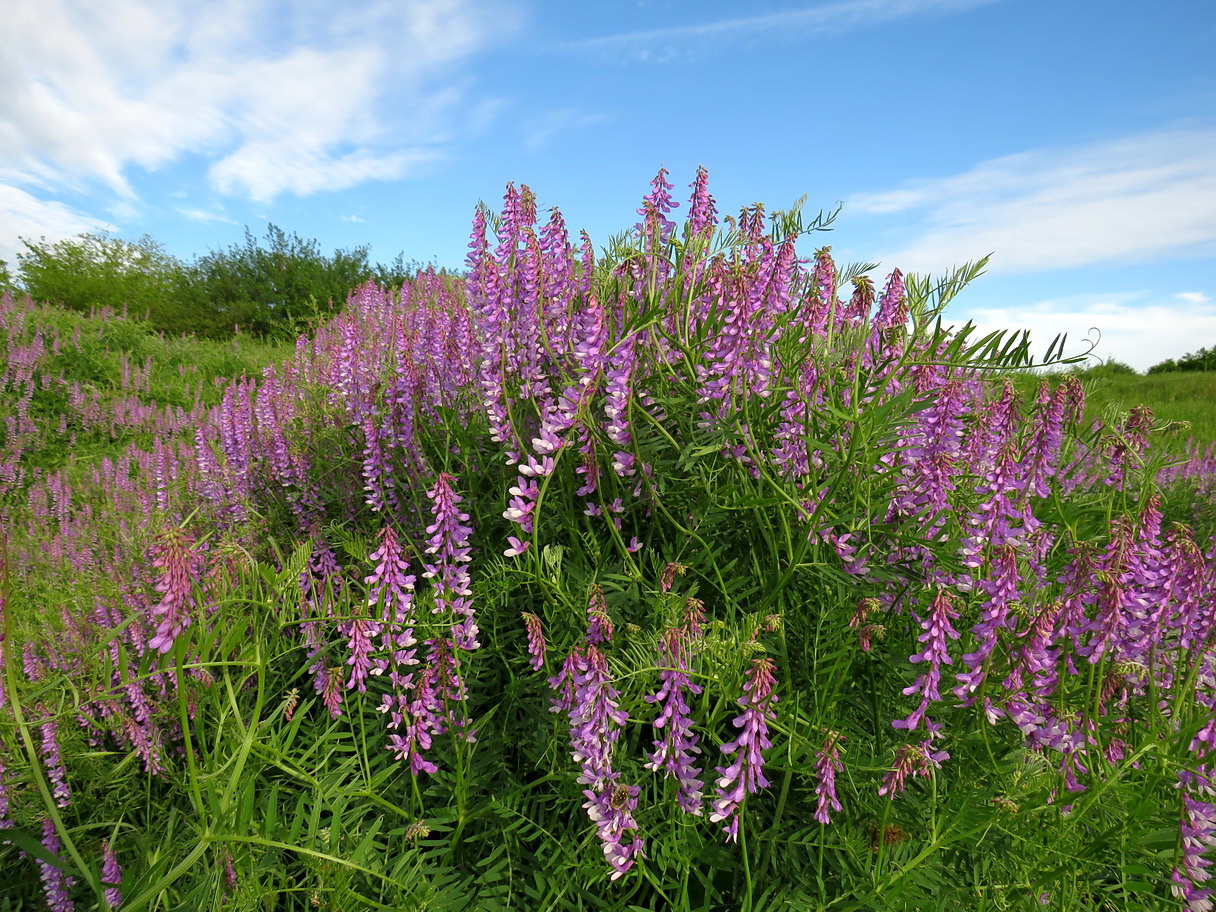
829 18
275 96
1141 197
539 131
350 218
24 215
1135 328
1193 297
206 215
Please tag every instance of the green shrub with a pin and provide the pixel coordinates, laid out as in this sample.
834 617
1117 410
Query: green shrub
1202 360
103 271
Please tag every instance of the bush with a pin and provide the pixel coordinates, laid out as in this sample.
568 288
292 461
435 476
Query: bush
102 271
1202 360
278 287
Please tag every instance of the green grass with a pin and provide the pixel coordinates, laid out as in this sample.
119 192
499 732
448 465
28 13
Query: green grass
1184 402
93 353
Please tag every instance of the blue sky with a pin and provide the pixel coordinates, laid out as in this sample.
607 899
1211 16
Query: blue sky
1074 139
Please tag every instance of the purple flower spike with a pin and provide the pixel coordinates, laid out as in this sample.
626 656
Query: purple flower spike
595 720
599 622
675 748
536 640
911 759
361 634
702 214
611 810
746 774
6 822
111 876
53 762
1198 837
585 692
391 593
449 547
179 564
827 765
55 883
936 636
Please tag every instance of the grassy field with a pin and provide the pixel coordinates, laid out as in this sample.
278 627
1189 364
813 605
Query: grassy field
1186 402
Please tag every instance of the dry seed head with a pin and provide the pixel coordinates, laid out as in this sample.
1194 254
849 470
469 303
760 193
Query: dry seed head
1006 804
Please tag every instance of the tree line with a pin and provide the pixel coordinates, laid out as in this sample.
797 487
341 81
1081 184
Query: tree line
272 286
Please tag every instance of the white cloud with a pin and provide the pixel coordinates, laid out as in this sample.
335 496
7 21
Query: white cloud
25 215
295 96
1128 327
830 18
1142 197
1193 297
205 215
351 218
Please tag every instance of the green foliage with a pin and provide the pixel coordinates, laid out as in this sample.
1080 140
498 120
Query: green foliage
102 271
276 286
1108 368
99 364
1202 360
273 288
1184 403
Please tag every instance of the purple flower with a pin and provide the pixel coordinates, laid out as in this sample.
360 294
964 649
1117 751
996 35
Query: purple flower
1198 826
55 883
361 634
179 563
585 692
329 685
745 775
416 739
827 765
893 305
702 214
6 808
391 590
562 683
1002 591
656 229
449 548
611 809
536 640
936 634
670 572
599 622
436 707
111 876
595 719
616 405
53 761
675 748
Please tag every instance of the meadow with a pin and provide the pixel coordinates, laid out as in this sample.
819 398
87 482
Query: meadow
695 571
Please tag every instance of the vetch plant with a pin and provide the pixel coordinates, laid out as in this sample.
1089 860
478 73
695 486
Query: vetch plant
824 611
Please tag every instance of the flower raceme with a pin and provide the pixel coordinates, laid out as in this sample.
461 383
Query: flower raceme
675 745
745 774
179 562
